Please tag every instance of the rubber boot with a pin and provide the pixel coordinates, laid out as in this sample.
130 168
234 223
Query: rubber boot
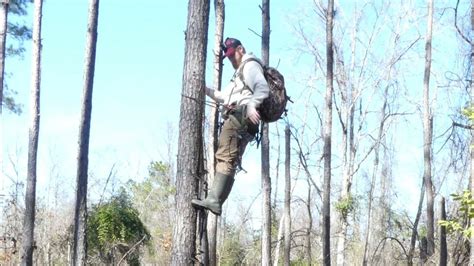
219 192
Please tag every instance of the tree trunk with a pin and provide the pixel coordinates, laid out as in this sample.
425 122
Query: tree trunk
471 177
202 214
443 245
30 196
277 169
286 260
3 38
3 35
280 237
342 214
266 182
309 229
266 198
423 250
219 8
345 192
79 255
190 133
375 173
427 137
326 231
414 232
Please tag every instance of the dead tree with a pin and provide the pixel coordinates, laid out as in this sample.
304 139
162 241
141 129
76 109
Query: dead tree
219 8
471 91
286 254
79 252
427 136
443 245
414 230
326 213
4 5
30 195
266 182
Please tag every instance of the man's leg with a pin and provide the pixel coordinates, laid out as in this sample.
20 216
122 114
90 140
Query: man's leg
227 156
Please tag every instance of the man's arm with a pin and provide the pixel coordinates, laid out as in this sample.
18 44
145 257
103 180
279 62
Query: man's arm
217 96
254 79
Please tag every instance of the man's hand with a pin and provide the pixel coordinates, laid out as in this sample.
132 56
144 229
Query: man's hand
229 107
253 115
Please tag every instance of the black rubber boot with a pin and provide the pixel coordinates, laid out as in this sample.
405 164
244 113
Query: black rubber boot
217 195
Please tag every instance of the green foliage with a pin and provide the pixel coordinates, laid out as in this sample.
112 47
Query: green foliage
154 199
233 253
19 32
114 228
19 7
422 231
466 208
469 113
155 193
158 185
346 205
9 102
16 28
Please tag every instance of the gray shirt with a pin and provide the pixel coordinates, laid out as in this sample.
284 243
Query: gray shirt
236 92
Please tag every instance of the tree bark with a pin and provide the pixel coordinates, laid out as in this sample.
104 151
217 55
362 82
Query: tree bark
375 173
471 177
427 136
326 231
414 232
443 245
346 184
309 229
3 38
190 133
79 256
279 240
30 196
212 227
286 254
266 182
309 181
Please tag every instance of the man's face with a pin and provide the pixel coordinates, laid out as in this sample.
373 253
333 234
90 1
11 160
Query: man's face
236 58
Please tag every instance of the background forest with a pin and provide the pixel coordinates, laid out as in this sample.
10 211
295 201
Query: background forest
400 93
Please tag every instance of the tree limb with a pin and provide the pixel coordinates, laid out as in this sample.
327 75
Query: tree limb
389 238
456 24
455 124
130 250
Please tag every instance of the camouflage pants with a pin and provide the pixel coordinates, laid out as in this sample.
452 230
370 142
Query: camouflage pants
237 131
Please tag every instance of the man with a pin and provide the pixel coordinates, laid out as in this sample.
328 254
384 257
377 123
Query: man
239 103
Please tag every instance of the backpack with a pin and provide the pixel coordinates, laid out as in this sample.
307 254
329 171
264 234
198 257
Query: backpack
273 107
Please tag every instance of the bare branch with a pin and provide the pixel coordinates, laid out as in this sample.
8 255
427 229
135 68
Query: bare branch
456 24
405 51
111 172
304 163
256 33
130 250
389 238
455 124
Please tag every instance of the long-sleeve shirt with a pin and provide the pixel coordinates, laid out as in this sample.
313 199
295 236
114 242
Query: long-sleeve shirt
250 88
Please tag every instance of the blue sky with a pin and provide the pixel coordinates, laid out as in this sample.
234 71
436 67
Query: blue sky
137 84
138 81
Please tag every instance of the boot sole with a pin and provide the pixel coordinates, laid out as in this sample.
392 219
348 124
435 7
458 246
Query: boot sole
201 207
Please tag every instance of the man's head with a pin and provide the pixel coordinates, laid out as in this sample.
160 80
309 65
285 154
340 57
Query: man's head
233 50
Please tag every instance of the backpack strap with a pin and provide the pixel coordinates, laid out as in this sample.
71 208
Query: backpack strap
240 71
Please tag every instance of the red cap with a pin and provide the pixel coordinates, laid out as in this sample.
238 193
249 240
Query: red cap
229 46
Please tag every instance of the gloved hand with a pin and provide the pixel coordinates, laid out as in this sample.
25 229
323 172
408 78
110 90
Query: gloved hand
253 115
